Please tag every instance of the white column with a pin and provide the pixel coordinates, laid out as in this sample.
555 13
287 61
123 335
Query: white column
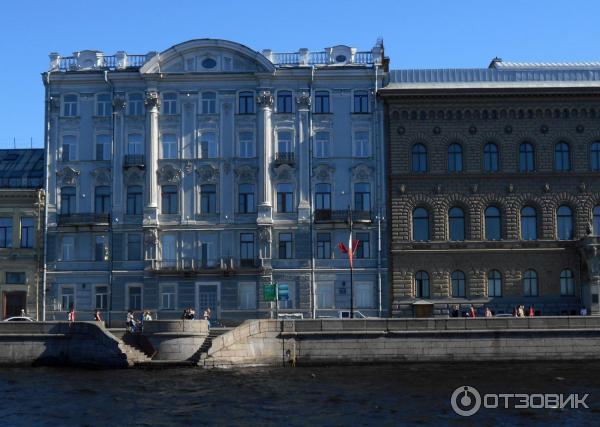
152 107
303 108
265 152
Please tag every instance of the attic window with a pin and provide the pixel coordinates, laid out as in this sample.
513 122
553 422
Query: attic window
209 63
340 58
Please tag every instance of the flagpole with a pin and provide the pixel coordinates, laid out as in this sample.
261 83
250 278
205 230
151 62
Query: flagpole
351 250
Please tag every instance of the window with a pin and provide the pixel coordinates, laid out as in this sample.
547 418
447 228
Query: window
67 297
135 104
363 295
362 147
169 202
68 248
247 296
100 249
528 223
596 220
567 287
67 200
562 160
361 101
102 199
456 221
246 144
323 245
168 249
167 297
101 297
134 200
595 156
321 102
169 146
208 145
530 284
285 198
493 223
285 245
208 198
27 232
322 145
420 225
15 278
284 101
323 196
455 158
69 148
364 247
135 146
362 197
325 296
246 199
458 284
209 103
169 106
134 247
103 147
246 103
286 296
490 157
526 157
247 249
564 223
103 105
70 105
284 142
422 284
494 284
135 297
6 231
418 158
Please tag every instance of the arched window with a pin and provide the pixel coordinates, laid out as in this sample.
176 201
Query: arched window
595 156
490 157
493 230
456 221
420 224
562 160
567 287
526 157
564 223
530 284
494 284
528 223
422 284
455 158
458 284
596 220
419 158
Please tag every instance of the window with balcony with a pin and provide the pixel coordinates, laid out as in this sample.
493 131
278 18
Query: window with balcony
67 200
362 197
422 284
361 101
364 247
169 199
27 232
567 285
70 105
169 104
323 245
134 247
6 231
530 284
362 146
458 284
562 157
247 249
208 145
103 105
490 157
169 146
456 222
285 149
209 103
247 296
135 145
135 104
564 223
455 163
101 248
101 297
494 281
103 147
67 297
322 102
528 223
135 204
134 297
420 225
526 157
167 296
246 142
246 103
322 145
285 245
208 199
246 198
68 148
418 160
68 248
102 199
595 156
493 223
284 101
285 198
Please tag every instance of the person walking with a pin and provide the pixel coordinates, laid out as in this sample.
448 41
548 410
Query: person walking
206 315
521 311
471 311
97 316
71 315
130 322
531 311
488 312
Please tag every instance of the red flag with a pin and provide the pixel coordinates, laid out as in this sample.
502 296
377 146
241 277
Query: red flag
353 244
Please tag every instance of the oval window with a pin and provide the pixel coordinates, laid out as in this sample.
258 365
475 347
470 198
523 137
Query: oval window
209 63
340 58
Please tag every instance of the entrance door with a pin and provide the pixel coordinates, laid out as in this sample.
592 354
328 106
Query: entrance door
208 296
14 302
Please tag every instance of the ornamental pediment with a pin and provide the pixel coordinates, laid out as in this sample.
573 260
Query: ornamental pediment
284 172
246 173
101 176
323 172
68 175
207 174
169 174
361 172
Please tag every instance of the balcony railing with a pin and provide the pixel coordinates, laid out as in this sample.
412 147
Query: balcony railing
83 219
328 215
284 157
188 265
133 160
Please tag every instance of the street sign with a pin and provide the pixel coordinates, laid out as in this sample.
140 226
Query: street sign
269 292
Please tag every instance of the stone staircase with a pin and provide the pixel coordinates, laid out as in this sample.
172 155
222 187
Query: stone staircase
202 353
132 346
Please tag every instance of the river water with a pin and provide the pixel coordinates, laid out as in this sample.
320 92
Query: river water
403 394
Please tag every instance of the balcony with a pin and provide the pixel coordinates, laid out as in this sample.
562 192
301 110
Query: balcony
133 160
284 157
328 215
189 266
84 219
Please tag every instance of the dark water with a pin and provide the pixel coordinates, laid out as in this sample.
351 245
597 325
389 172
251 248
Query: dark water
412 394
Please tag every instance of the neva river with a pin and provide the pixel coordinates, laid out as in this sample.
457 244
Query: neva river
408 394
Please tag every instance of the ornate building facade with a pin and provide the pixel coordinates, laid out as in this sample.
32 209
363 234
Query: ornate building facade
493 188
191 177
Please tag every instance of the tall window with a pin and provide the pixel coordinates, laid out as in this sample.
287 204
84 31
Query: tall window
134 200
284 101
102 199
363 295
325 295
285 198
247 296
134 247
246 198
69 148
135 297
323 245
209 103
530 284
168 249
67 297
364 247
246 140
135 104
494 284
490 157
493 226
455 163
422 284
247 248
596 220
208 145
169 146
135 145
70 105
67 200
361 101
68 248
322 145
564 223
27 235
167 297
321 102
362 197
285 245
246 103
562 159
103 147
169 106
595 156
526 157
456 220
528 223
103 105
420 225
322 196
418 160
100 249
458 284
567 287
208 198
169 202
284 142
6 231
362 147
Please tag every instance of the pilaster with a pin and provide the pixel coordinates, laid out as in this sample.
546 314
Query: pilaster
303 107
152 103
265 207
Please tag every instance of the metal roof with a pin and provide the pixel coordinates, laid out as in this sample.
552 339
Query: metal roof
22 168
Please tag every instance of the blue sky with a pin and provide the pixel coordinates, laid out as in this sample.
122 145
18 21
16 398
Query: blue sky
416 33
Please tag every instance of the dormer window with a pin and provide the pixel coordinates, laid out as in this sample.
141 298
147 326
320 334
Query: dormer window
340 58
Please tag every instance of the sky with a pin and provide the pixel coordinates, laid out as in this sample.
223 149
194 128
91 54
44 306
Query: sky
416 34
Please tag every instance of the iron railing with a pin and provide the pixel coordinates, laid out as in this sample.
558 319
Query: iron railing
285 157
131 160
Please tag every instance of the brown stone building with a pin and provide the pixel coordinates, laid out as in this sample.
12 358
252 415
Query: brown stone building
494 189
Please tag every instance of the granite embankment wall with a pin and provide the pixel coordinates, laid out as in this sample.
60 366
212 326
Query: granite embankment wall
176 340
78 343
306 342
